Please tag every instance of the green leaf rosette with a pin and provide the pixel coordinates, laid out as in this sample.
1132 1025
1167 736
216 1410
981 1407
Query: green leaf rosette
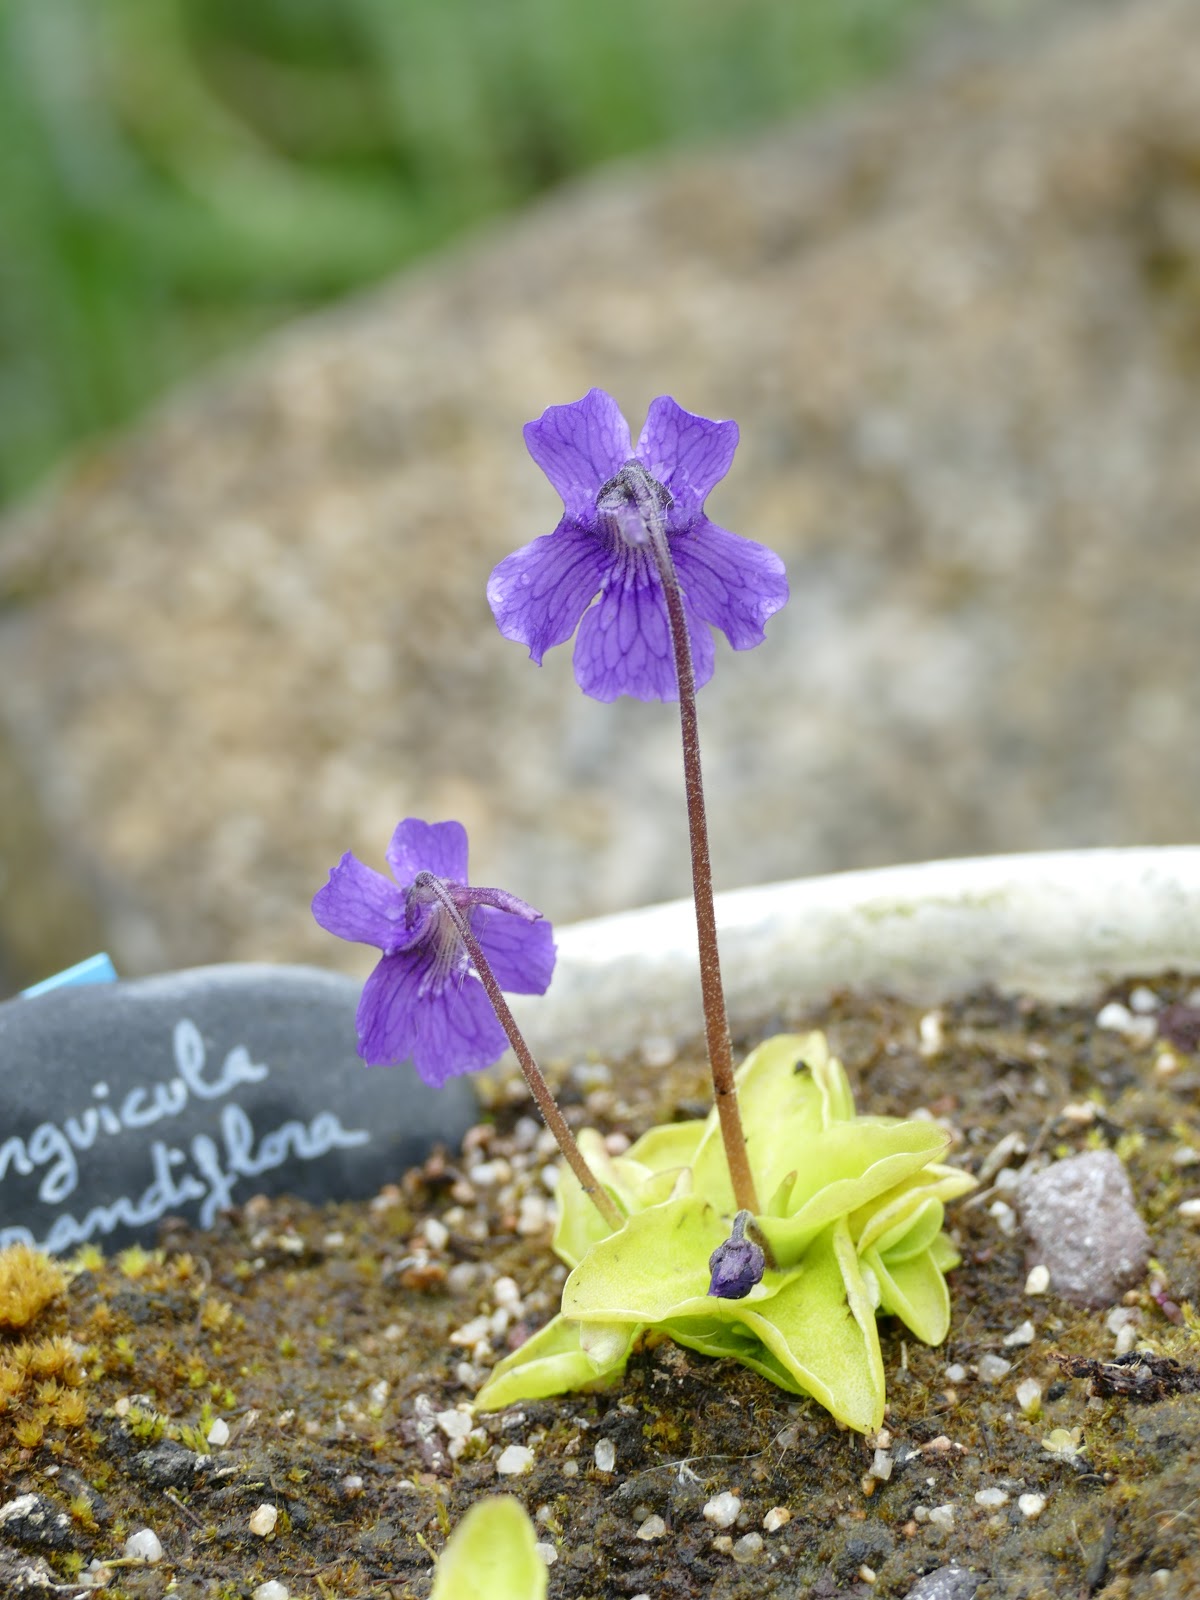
852 1224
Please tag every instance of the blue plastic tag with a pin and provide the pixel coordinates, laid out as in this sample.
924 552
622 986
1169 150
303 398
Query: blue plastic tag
96 969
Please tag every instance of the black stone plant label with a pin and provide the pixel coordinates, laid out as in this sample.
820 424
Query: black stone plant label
181 1095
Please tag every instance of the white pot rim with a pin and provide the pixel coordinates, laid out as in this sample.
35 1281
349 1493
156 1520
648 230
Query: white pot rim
1057 925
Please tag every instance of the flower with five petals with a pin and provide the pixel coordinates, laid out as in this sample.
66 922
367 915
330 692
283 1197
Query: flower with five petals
423 1001
616 497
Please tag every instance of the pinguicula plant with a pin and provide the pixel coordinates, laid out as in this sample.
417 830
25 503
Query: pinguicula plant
775 1230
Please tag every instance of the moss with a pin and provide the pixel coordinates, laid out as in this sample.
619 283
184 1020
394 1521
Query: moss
29 1281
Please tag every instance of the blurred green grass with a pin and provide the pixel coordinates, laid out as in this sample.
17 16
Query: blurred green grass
176 176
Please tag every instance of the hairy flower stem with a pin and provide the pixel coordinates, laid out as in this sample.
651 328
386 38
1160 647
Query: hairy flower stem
538 1088
716 1022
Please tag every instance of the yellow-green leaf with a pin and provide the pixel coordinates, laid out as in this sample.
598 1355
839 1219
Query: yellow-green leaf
552 1361
491 1555
915 1291
821 1327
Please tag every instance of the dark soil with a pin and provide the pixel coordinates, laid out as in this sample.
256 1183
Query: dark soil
314 1333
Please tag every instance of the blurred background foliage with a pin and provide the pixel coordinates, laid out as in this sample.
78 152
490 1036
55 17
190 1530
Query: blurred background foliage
179 175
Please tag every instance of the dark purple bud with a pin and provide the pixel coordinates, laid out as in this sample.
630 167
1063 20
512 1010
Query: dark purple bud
737 1264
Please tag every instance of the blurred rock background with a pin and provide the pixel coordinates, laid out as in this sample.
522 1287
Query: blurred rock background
957 315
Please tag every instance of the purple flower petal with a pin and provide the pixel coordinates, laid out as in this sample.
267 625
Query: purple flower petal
444 1031
731 582
579 447
521 954
624 643
686 453
362 905
539 593
457 1032
437 847
386 1017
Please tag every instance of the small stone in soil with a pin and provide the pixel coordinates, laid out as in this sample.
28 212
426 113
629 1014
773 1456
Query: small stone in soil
722 1510
1029 1396
947 1583
991 1498
144 1545
1083 1226
35 1523
513 1460
262 1520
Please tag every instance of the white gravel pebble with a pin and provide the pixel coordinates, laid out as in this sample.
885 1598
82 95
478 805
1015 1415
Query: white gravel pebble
956 1373
1126 1339
144 1545
461 1278
437 1234
507 1295
1004 1217
748 1547
881 1465
993 1368
652 1528
931 1035
513 1460
1144 1001
1029 1396
454 1424
1038 1280
605 1455
471 1332
775 1518
991 1498
1022 1335
722 1510
271 1590
263 1519
942 1516
1116 1018
1031 1505
1190 1208
533 1215
218 1434
548 1553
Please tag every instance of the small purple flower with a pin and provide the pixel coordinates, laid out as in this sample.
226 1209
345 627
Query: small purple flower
737 1264
612 494
423 1001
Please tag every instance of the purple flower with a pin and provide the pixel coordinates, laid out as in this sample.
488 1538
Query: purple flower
612 493
423 1001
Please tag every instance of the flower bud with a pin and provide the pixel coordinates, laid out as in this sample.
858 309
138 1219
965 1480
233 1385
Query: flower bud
737 1264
